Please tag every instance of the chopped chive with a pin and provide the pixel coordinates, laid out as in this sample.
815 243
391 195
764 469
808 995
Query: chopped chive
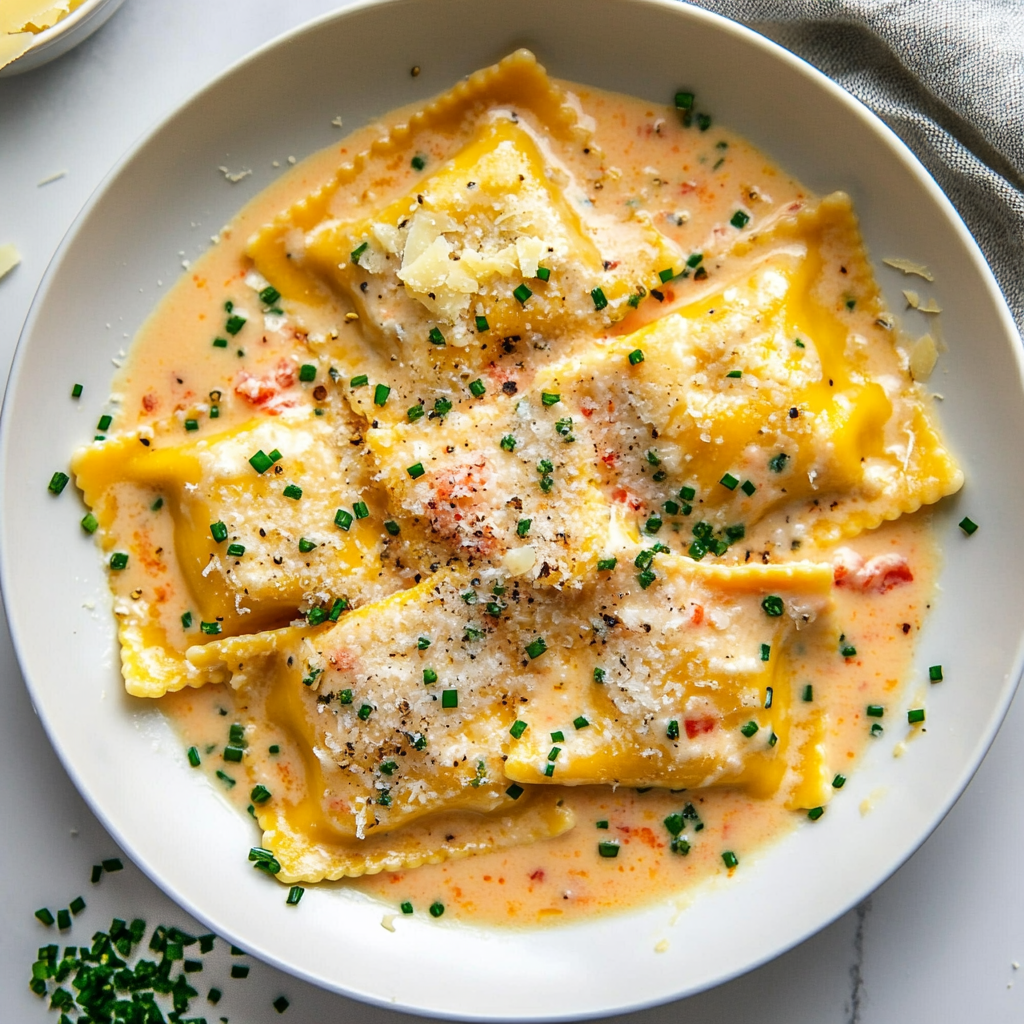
261 461
482 324
687 493
364 712
210 628
549 398
684 101
599 675
608 849
360 510
553 753
875 711
808 694
416 470
218 531
636 356
477 388
601 824
769 692
772 606
915 715
523 527
77 905
113 864
294 895
670 508
414 413
606 563
118 560
418 162
646 578
518 728
76 391
729 481
359 381
522 293
748 488
968 526
104 422
508 443
514 791
305 546
58 482
543 273
799 343
343 519
935 673
269 295
557 737
307 372
96 874
666 275
406 907
848 651
193 756
90 523
429 676
876 730
45 916
850 303
191 424
314 617
63 920
234 324
435 336
260 794
449 698
220 342
280 1003
815 813
274 748
436 908
233 753
293 492
345 697
423 643
242 970
237 550
380 394
766 652
729 859
839 781
672 730
580 722
778 462
597 294
749 729
536 647
392 527
358 251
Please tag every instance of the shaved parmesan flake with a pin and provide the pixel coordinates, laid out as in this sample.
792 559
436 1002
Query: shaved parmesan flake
931 306
923 356
56 176
909 267
913 299
9 258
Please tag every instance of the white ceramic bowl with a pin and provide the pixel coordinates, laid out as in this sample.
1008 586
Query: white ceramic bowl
67 33
167 195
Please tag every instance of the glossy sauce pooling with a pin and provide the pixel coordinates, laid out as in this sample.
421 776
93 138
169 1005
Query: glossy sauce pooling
627 847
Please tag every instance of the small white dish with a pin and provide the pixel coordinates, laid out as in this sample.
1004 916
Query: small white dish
67 33
167 196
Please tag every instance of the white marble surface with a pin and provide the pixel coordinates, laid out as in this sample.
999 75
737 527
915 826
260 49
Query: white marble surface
936 943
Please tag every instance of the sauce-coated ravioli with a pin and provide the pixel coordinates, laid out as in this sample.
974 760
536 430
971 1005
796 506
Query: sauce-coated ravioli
476 503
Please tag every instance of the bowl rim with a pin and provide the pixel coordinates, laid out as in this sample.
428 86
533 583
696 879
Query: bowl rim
719 23
35 56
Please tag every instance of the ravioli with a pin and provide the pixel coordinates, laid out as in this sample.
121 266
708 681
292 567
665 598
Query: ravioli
399 730
257 545
480 261
760 397
506 483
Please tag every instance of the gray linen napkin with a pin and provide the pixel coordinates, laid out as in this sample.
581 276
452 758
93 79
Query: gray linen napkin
947 76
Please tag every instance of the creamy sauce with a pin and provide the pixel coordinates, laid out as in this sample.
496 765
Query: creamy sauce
690 182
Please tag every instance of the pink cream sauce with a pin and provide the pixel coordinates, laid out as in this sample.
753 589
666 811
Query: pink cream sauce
689 181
